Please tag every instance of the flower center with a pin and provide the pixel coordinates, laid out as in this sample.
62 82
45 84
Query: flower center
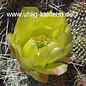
41 41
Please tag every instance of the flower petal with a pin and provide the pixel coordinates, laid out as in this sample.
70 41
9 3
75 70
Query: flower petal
26 63
28 52
29 49
59 69
56 55
38 76
52 69
68 49
61 40
9 38
68 32
23 25
52 22
51 46
41 30
43 58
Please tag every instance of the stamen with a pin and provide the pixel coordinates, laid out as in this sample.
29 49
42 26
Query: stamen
41 41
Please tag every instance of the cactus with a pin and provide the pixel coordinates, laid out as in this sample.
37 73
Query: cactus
78 23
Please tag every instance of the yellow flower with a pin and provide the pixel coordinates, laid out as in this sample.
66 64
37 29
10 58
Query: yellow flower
39 43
